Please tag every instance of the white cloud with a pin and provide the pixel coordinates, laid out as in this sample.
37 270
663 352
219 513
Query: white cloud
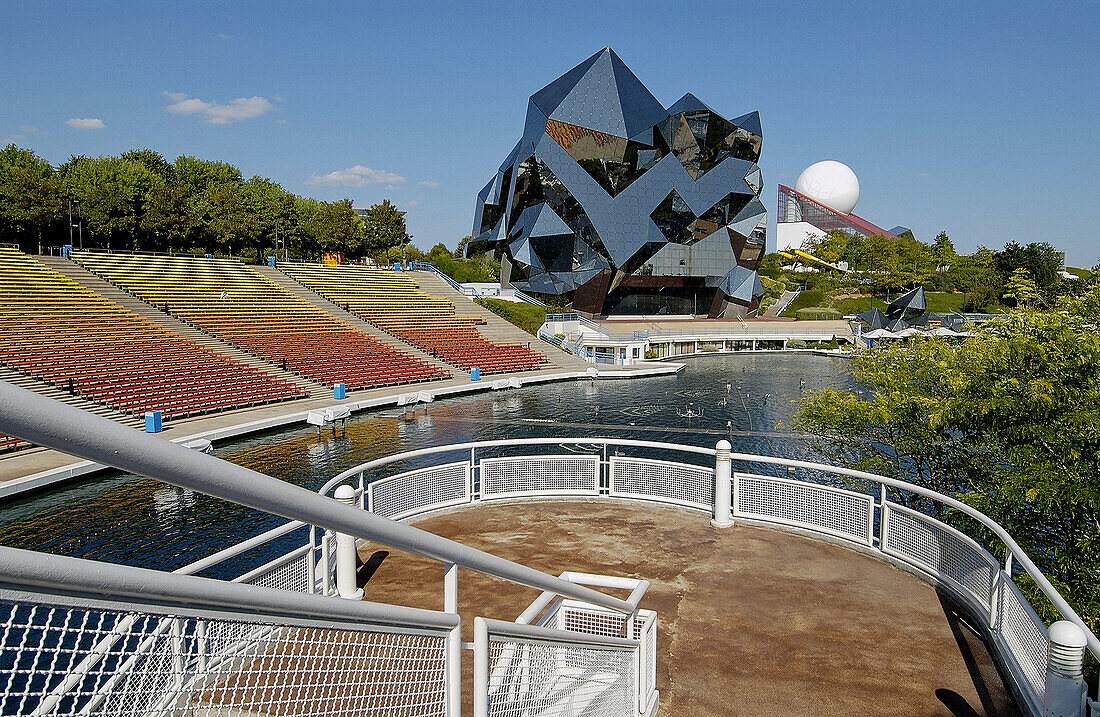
86 123
29 129
223 36
412 204
357 176
428 185
12 139
925 174
242 108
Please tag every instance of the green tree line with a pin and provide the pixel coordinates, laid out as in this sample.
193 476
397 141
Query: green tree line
894 264
141 201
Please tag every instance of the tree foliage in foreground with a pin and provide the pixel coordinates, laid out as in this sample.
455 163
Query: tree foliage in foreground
1008 421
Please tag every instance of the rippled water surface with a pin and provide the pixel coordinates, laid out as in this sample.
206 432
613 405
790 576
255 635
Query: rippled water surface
134 520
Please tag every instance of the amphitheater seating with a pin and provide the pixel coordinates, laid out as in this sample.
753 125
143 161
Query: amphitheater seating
7 443
238 305
61 332
393 302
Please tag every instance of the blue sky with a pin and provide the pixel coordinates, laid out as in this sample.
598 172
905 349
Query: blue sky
978 119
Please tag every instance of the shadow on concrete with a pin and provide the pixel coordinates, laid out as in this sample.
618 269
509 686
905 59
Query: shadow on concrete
979 663
366 570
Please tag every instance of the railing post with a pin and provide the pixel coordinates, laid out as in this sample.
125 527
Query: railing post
1065 682
481 668
723 485
345 552
454 642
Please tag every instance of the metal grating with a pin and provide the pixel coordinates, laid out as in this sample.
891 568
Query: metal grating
548 475
289 572
942 551
535 678
1024 636
407 494
65 661
579 617
677 483
821 508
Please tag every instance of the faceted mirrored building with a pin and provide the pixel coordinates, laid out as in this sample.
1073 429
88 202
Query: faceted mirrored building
622 206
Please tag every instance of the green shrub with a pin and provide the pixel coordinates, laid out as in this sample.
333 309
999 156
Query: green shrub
816 313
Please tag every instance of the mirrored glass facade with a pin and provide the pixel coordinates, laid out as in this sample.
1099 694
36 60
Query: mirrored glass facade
621 205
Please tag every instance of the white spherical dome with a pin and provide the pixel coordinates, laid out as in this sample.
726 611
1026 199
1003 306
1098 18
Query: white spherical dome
833 184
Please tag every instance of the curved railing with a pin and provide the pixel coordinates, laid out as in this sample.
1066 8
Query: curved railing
891 519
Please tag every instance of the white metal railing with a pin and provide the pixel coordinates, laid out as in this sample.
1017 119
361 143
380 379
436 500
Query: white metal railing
83 637
429 266
895 520
79 637
864 510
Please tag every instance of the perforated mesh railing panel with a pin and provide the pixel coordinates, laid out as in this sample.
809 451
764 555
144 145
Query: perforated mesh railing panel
66 661
577 617
1023 634
409 493
842 513
941 550
534 678
290 572
549 475
678 483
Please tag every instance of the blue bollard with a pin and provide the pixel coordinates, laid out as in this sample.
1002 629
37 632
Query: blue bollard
152 422
67 250
338 391
271 261
475 374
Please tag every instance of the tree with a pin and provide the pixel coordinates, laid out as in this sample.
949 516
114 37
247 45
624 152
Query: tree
340 229
1021 289
111 192
230 223
30 194
460 250
943 251
169 215
1042 261
1009 421
898 425
152 160
384 229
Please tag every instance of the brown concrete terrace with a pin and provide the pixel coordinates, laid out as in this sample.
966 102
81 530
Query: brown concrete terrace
750 621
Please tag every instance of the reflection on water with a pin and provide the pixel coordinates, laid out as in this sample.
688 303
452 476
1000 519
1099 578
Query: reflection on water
128 519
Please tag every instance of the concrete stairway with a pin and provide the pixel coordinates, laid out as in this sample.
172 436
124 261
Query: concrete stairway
346 316
148 311
495 328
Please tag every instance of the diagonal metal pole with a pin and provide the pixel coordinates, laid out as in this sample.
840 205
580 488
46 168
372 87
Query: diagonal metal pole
27 415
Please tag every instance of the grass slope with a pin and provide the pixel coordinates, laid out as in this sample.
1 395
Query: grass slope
526 316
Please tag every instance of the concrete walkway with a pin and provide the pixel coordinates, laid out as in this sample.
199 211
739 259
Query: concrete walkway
750 621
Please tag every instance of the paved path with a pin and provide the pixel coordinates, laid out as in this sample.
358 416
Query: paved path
750 621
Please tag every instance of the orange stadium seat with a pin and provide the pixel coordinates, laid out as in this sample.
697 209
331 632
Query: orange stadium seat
227 299
58 331
393 302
